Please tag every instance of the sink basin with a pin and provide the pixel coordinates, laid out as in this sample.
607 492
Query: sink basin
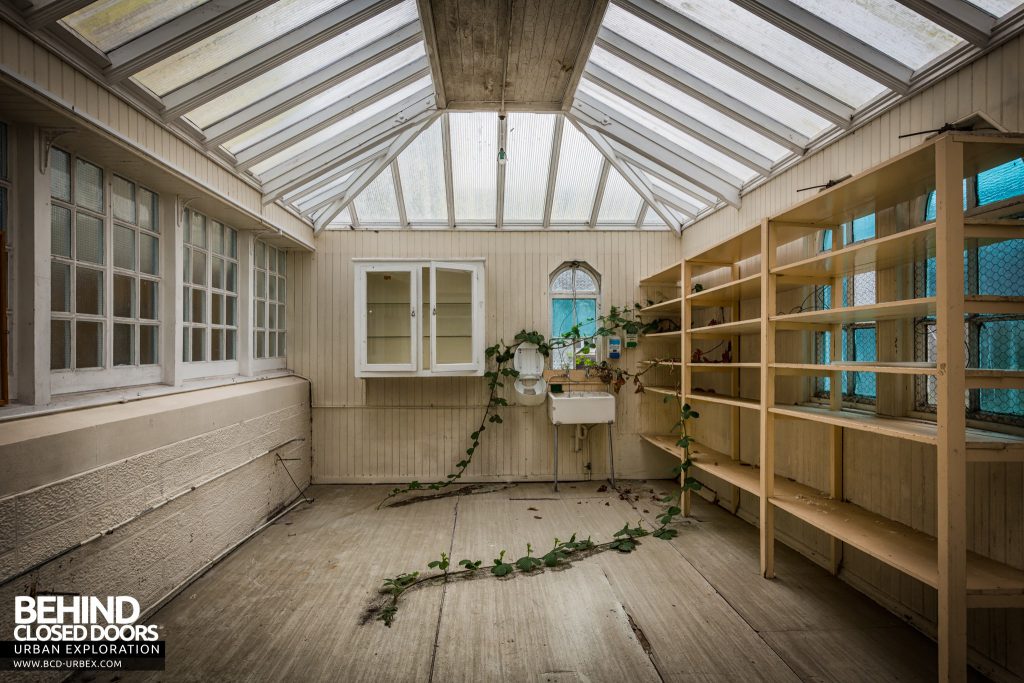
581 407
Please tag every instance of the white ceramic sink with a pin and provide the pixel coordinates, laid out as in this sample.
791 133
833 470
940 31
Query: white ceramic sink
581 407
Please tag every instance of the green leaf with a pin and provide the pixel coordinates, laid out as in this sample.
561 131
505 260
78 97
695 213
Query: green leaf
527 563
666 534
502 569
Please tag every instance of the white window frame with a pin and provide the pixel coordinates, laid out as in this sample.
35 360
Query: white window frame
264 302
553 294
106 376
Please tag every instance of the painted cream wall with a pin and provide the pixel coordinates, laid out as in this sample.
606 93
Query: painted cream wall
391 430
71 476
894 478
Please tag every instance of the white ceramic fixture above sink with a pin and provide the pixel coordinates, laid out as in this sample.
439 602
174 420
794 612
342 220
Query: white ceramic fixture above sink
581 407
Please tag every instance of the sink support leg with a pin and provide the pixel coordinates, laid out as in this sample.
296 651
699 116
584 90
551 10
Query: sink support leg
611 454
556 457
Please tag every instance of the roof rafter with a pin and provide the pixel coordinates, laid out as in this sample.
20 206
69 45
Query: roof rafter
971 23
315 201
53 11
658 148
304 191
549 187
833 41
683 122
274 189
267 56
602 183
331 114
734 108
634 179
666 175
741 59
177 34
314 84
367 176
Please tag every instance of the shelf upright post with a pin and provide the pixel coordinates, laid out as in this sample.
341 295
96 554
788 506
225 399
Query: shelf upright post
685 375
835 402
766 424
950 416
734 390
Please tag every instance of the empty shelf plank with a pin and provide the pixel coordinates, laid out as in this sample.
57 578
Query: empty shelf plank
905 247
727 293
746 477
995 379
666 391
670 307
911 551
731 250
811 369
910 308
900 428
722 367
675 334
669 275
993 305
737 327
724 400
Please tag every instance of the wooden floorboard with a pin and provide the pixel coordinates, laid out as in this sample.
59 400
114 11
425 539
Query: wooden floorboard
287 604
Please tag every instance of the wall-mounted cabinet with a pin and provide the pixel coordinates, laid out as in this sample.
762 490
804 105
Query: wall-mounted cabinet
419 318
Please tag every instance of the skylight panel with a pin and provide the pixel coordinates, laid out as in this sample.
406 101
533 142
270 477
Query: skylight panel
317 103
231 43
328 191
686 104
342 220
108 24
782 49
377 203
997 8
528 148
340 127
620 203
673 192
900 32
474 139
421 169
652 221
312 61
579 171
718 74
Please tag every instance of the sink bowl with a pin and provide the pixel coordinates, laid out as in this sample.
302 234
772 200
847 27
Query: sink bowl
581 407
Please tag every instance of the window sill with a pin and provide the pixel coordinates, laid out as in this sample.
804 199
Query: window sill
91 399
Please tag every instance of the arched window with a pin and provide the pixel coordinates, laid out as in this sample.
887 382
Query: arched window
575 300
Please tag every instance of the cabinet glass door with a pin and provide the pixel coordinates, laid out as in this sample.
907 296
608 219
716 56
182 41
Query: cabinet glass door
390 318
455 321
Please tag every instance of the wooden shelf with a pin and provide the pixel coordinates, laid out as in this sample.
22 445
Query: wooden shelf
729 251
735 328
727 293
746 477
721 399
721 367
669 275
675 334
670 307
994 379
904 247
664 363
908 308
899 546
817 370
665 391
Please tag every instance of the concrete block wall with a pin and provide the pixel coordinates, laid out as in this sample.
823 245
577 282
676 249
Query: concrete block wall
67 477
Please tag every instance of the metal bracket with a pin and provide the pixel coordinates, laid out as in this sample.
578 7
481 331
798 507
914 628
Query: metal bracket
48 136
182 205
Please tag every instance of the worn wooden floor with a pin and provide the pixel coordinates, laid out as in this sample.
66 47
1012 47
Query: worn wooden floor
286 606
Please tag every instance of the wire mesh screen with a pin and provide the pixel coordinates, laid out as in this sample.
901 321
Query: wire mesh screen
994 342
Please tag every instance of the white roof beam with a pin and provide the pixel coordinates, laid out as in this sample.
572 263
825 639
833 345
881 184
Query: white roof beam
359 183
968 21
313 181
306 189
602 183
754 66
658 148
449 184
376 129
314 84
635 180
683 80
833 41
665 175
683 122
52 11
549 187
315 201
266 57
177 34
331 114
403 217
684 207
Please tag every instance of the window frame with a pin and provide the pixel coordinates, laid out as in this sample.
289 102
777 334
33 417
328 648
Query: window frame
7 213
106 376
280 359
553 295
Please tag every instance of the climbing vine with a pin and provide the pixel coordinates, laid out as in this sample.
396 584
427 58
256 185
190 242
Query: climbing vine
562 553
501 354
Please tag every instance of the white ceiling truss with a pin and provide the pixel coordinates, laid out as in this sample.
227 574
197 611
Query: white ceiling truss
681 108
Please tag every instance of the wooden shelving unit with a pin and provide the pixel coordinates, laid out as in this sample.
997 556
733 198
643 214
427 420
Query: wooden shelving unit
962 579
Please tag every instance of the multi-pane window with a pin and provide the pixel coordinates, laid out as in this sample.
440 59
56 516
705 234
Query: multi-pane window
78 267
859 340
104 269
210 296
574 304
990 270
269 289
136 277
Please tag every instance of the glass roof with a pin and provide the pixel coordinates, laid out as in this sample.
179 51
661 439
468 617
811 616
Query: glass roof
682 106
